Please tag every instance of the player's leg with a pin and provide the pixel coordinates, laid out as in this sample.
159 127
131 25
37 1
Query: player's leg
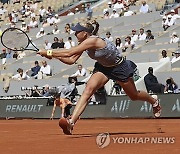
96 81
130 89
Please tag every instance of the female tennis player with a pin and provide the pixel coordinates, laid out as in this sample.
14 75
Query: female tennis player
110 65
64 104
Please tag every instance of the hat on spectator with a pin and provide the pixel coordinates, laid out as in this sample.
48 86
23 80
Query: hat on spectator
41 29
173 11
76 9
174 33
109 3
177 51
114 10
148 31
164 17
56 15
23 23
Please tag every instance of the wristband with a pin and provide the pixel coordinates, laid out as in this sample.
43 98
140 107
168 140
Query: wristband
49 52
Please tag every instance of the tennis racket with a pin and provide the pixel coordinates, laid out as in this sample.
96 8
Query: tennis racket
17 40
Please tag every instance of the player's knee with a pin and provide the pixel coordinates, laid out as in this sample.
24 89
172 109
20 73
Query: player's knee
89 90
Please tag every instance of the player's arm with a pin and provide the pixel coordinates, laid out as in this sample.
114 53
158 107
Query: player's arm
53 110
70 56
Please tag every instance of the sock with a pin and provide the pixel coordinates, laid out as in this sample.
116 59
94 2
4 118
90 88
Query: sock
71 122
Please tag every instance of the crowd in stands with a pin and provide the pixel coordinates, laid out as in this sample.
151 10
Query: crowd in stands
31 18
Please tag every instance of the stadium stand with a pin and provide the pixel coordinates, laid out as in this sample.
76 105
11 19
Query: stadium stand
145 54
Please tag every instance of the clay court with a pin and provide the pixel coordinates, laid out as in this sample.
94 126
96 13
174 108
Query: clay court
45 137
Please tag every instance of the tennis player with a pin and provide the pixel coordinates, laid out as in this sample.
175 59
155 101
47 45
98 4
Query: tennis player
64 104
110 64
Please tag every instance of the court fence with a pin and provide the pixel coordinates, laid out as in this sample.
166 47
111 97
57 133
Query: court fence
116 107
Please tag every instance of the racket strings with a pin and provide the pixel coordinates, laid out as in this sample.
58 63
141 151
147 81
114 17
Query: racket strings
15 39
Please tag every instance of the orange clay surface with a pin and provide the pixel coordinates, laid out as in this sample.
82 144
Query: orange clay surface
45 136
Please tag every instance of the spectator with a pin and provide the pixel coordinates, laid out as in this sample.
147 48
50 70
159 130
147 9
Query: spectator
50 20
45 70
128 12
55 30
176 57
80 72
128 44
33 23
142 35
134 36
171 86
21 54
168 23
174 38
106 15
76 10
49 11
164 56
42 12
45 92
144 7
109 7
27 12
41 33
47 45
68 29
3 56
21 75
70 13
56 43
149 36
35 70
164 23
2 10
45 23
61 43
82 9
89 11
118 43
109 37
9 53
69 44
119 5
152 84
32 13
15 55
174 16
114 14
56 19
24 27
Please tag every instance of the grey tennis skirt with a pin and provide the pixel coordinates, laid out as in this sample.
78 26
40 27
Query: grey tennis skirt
120 72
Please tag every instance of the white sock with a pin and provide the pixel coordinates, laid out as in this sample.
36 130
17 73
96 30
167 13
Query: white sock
71 122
